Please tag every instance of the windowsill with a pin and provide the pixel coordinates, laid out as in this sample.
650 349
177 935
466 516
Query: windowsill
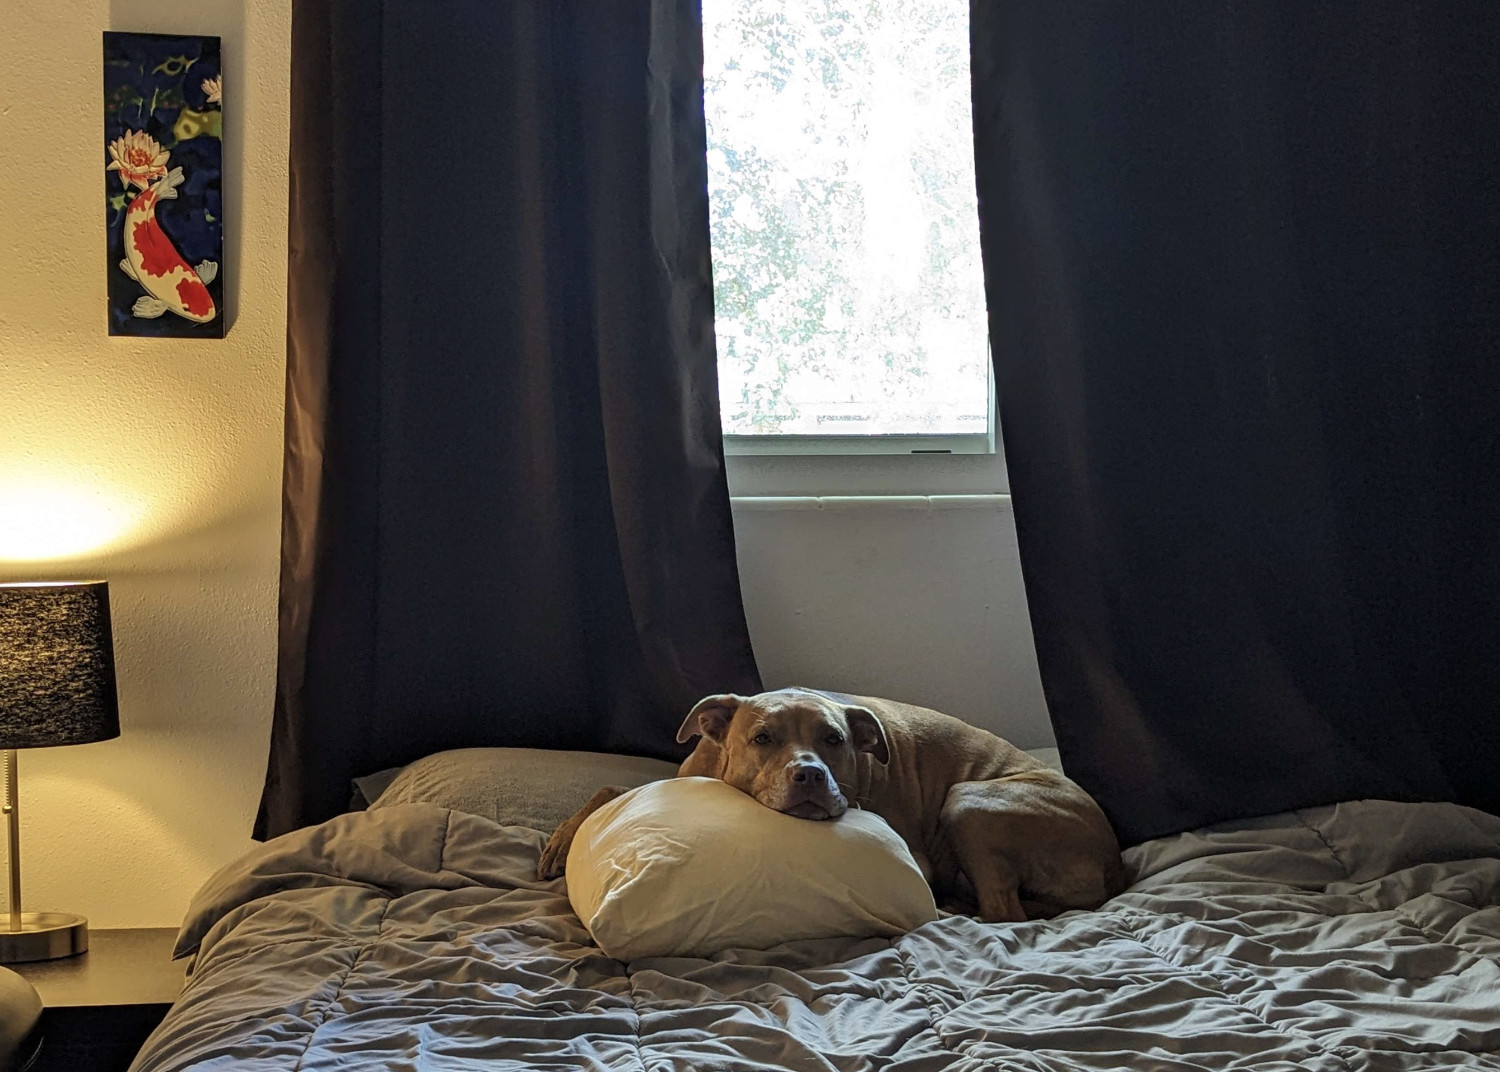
866 476
783 503
856 445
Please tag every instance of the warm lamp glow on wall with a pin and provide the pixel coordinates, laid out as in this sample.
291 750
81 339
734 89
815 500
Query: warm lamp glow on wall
48 520
57 686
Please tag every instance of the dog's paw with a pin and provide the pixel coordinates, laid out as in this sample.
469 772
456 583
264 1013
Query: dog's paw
554 861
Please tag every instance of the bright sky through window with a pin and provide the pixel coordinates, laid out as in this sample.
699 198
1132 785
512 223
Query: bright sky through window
847 285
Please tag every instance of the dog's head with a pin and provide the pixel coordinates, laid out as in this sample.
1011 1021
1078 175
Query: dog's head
794 750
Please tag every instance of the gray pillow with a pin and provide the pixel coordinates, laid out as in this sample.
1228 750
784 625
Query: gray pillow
532 787
366 789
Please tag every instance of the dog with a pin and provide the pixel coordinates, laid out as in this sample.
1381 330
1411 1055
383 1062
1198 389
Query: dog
996 832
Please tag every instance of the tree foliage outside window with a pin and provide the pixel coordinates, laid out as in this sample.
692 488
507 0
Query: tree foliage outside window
847 284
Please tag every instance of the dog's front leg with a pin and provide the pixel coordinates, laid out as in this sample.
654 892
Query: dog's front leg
554 859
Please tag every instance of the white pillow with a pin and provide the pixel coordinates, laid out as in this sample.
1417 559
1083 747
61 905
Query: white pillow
692 866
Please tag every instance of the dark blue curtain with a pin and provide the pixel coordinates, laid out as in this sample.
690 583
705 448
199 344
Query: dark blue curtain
505 515
1242 262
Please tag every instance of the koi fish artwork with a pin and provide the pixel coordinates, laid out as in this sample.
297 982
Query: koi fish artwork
153 262
163 126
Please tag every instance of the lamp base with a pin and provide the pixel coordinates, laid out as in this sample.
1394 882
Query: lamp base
43 936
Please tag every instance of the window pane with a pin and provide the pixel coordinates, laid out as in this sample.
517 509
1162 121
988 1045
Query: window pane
847 284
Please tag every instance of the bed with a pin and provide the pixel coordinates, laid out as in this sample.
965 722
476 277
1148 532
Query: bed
1361 936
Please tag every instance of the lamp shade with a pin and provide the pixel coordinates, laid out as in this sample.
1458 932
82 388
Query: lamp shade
57 665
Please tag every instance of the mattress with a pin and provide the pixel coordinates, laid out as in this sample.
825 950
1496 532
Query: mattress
1361 936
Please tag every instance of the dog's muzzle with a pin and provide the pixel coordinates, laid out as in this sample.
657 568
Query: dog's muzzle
809 792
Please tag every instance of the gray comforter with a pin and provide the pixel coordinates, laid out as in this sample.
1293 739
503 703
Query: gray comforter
1361 936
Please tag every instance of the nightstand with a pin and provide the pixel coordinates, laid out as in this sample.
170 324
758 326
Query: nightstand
99 1006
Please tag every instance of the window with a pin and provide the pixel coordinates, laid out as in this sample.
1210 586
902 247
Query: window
849 298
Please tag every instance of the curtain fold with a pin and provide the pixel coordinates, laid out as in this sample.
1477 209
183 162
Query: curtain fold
505 520
1242 264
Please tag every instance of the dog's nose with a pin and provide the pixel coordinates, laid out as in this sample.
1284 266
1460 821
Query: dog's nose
809 774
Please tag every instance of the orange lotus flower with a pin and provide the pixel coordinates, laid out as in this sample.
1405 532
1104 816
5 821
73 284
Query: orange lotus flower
138 158
213 88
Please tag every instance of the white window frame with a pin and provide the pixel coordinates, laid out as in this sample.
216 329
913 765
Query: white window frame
804 465
834 444
801 445
801 464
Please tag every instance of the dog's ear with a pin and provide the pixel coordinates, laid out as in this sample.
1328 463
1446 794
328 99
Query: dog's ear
710 716
868 734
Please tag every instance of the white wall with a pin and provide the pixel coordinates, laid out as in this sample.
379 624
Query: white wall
155 464
911 598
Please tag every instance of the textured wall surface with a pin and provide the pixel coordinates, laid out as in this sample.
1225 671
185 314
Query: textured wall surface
155 464
911 598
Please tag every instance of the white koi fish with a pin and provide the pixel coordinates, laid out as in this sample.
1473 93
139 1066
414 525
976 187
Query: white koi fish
153 261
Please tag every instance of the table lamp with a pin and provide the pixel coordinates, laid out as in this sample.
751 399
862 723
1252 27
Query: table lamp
57 686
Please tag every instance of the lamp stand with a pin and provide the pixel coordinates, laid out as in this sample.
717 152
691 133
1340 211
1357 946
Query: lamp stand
33 935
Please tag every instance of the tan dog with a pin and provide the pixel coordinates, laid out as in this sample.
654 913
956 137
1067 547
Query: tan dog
992 827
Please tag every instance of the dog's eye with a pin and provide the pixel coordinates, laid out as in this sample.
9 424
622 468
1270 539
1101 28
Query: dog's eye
835 738
761 738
